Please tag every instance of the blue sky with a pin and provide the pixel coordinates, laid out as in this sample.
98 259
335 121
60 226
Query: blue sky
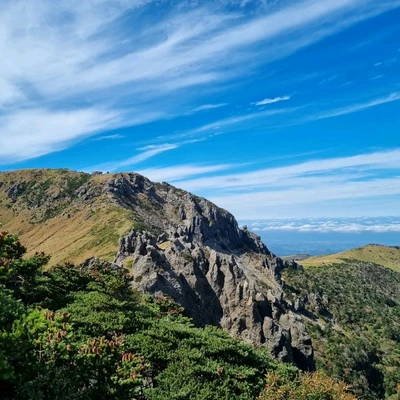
272 109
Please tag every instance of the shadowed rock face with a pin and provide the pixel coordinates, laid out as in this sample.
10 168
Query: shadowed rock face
220 274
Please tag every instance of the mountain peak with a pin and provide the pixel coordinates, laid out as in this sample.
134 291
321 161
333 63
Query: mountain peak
175 244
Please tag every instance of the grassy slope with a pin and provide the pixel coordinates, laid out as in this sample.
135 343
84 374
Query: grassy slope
48 216
355 324
387 256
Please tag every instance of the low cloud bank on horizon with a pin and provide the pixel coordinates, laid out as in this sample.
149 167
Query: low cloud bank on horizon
326 225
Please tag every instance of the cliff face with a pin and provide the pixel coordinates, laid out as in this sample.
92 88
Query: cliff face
220 274
181 245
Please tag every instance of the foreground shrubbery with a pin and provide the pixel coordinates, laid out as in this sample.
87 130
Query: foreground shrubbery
82 333
317 386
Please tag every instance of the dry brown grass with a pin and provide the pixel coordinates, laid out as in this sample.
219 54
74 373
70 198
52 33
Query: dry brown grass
74 239
164 245
316 386
388 257
81 230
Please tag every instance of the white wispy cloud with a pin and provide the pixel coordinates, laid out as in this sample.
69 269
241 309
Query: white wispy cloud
234 121
145 153
237 122
271 101
330 79
386 62
311 170
395 96
171 174
85 54
345 199
35 132
109 137
209 107
323 185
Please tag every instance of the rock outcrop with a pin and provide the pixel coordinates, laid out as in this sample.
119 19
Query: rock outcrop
221 275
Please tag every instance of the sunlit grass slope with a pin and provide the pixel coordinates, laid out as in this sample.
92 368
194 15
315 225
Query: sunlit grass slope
386 256
64 213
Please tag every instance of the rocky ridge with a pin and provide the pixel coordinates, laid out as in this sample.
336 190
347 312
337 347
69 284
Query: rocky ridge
181 246
222 275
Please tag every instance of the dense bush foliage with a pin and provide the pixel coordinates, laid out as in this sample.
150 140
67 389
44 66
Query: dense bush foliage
355 325
82 333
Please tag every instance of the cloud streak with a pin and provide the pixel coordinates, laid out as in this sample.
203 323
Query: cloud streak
328 183
109 137
206 107
272 101
35 132
395 96
177 172
146 153
339 167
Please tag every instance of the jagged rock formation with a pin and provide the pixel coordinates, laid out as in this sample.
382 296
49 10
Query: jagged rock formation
220 274
181 245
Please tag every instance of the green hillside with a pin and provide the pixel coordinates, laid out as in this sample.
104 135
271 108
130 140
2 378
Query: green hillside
383 255
352 311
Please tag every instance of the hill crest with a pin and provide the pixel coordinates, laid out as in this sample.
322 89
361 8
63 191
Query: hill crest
387 256
74 215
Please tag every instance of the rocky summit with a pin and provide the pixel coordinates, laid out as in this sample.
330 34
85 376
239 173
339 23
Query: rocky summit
175 244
